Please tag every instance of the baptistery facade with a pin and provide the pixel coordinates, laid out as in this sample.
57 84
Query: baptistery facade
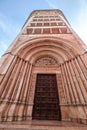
43 74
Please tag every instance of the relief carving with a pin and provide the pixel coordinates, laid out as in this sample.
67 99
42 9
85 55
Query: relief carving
46 61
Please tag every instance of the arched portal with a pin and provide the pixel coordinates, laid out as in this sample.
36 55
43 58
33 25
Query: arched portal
46 56
46 97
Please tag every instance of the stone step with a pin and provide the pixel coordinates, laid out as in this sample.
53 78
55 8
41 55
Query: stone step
42 128
42 125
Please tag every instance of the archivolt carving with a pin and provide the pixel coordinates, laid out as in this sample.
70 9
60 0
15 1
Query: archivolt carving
46 61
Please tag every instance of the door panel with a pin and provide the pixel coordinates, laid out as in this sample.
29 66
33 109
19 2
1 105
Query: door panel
46 102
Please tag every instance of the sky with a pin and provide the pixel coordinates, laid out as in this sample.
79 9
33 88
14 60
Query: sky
13 14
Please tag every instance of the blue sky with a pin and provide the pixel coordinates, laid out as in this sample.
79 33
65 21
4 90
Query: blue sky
13 14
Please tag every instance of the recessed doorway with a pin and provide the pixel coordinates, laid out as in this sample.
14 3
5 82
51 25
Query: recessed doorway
46 101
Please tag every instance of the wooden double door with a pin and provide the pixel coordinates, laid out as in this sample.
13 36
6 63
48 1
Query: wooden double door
46 101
